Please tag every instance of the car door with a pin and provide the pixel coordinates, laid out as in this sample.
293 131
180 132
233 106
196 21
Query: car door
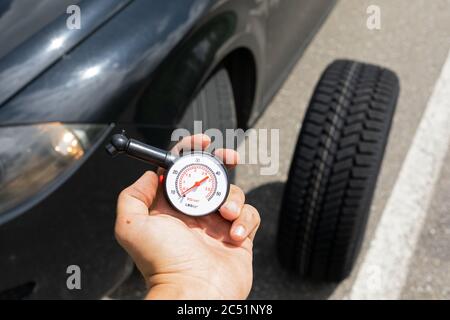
289 26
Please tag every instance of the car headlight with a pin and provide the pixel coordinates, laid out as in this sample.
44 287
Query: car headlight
33 156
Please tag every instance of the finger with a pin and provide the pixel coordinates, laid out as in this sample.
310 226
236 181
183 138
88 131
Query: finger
195 142
231 209
246 224
228 156
137 198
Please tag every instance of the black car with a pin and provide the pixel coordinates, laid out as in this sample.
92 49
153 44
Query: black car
144 66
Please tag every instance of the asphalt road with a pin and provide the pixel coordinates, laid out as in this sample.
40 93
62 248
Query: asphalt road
414 41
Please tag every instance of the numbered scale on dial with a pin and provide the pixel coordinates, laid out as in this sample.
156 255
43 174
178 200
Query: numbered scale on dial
195 183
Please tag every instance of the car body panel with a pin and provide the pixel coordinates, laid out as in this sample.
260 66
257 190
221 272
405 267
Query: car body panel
33 42
22 19
300 19
97 79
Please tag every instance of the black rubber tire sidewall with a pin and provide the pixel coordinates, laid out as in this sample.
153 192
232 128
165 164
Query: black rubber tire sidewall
214 105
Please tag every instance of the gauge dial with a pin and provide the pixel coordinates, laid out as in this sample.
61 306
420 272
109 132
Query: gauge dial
197 184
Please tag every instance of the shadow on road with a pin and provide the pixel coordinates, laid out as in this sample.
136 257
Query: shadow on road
270 280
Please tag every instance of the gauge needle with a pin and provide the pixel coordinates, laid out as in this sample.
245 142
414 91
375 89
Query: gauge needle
197 184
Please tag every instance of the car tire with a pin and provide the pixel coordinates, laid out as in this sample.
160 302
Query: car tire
214 105
333 174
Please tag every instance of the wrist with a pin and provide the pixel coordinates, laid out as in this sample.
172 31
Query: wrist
177 287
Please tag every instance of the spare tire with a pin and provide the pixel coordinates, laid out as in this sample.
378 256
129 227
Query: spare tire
334 170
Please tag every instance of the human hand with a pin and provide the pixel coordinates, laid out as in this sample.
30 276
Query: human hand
183 257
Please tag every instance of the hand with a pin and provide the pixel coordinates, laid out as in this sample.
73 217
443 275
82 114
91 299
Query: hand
183 257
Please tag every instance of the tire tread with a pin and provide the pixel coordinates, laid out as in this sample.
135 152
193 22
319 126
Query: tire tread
337 159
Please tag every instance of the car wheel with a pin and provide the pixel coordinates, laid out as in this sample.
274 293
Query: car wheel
214 105
334 170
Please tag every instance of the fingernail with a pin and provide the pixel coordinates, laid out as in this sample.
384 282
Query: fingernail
239 231
232 206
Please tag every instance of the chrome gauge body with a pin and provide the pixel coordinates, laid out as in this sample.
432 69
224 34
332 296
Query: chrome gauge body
197 184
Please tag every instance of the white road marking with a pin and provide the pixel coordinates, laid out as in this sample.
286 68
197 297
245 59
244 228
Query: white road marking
384 269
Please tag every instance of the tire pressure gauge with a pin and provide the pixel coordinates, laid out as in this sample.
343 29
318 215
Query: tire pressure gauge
195 183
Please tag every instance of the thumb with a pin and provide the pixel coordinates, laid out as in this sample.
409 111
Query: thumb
137 198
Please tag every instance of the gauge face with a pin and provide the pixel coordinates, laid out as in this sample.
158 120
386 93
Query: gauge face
197 184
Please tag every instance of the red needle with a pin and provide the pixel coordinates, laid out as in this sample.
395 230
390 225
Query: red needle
198 183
